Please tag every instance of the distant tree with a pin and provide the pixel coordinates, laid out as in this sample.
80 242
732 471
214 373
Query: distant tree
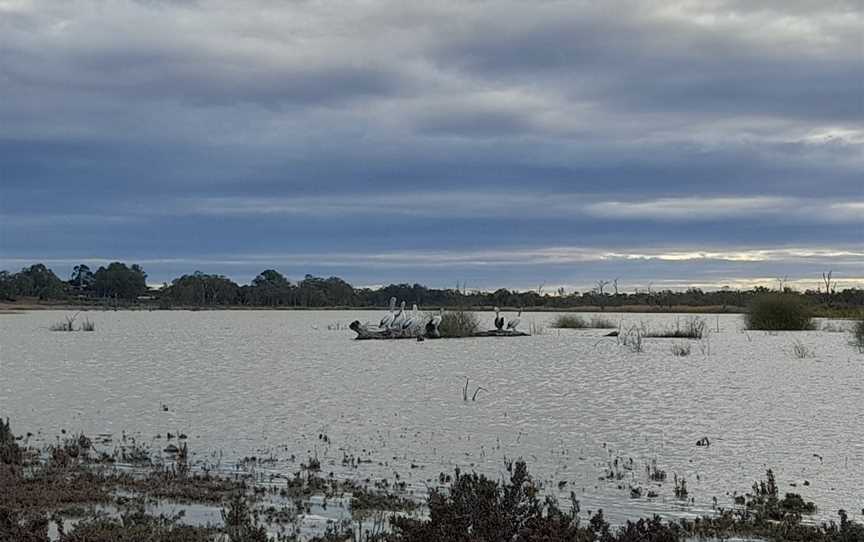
7 289
82 278
37 281
202 289
830 286
271 288
120 281
601 295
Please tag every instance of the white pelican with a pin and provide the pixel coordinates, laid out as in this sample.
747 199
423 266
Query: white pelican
511 325
412 320
434 322
388 318
499 320
400 317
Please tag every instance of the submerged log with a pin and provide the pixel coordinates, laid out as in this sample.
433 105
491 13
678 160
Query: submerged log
501 333
365 333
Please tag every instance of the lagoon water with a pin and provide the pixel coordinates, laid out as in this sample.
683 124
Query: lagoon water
274 384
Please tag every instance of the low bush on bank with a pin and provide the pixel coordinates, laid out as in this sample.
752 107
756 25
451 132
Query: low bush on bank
779 312
459 323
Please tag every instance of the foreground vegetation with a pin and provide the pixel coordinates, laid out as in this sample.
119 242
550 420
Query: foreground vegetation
122 285
69 479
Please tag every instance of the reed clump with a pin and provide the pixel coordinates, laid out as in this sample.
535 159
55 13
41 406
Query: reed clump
680 349
692 328
69 324
801 350
858 335
459 323
779 312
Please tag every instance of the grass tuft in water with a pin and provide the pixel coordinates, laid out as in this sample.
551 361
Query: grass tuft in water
801 350
69 324
680 349
693 328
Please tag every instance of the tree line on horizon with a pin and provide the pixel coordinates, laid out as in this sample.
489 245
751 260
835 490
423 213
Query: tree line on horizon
121 283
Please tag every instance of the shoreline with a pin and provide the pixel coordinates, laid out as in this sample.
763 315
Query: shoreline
20 307
23 306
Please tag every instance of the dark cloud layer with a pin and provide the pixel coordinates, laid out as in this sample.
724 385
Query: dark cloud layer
338 137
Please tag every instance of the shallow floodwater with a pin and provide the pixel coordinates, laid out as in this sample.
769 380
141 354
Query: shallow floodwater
274 384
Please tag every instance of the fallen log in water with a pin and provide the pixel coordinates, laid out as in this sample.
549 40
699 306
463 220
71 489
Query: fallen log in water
365 333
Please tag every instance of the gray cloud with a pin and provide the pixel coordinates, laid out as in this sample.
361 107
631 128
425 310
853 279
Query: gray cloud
611 119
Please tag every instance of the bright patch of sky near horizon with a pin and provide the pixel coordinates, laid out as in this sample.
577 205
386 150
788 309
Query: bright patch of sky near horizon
494 143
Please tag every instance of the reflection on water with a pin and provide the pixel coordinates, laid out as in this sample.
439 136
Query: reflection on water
277 384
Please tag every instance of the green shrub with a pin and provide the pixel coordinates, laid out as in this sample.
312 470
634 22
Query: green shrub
459 323
779 312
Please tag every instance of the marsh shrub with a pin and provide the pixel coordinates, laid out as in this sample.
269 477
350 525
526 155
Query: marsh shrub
459 323
569 321
779 312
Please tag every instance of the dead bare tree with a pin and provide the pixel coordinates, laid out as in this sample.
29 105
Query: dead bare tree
830 286
601 285
601 295
615 286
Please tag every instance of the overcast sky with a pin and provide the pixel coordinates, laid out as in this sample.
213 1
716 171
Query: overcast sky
496 143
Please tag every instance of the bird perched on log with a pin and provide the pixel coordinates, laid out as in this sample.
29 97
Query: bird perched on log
499 320
512 324
400 317
434 322
387 320
412 321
